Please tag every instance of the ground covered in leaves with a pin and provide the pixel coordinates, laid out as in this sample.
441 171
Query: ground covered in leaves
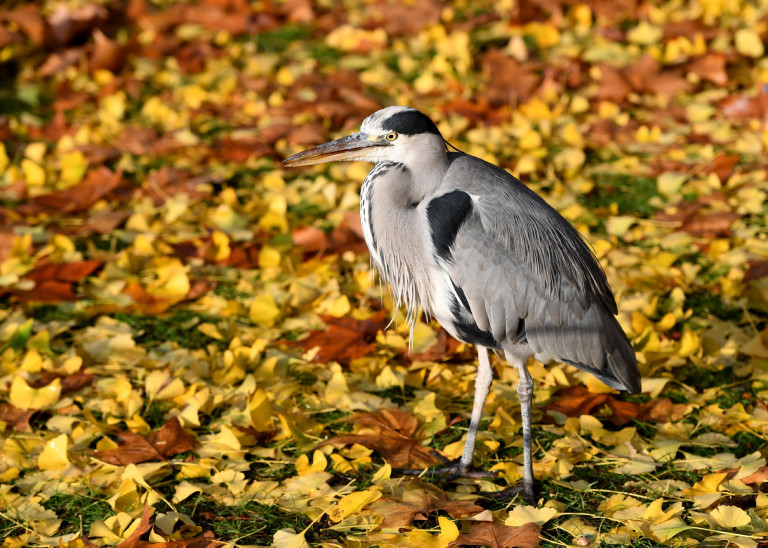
192 348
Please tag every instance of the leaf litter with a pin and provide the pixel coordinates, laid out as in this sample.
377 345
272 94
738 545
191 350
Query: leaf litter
191 338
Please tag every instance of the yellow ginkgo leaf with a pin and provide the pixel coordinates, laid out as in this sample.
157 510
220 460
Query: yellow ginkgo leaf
352 503
171 280
54 454
749 43
260 411
423 539
521 515
730 517
383 473
288 538
24 396
319 462
264 311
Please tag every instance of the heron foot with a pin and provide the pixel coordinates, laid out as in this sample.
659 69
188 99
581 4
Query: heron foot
526 489
451 469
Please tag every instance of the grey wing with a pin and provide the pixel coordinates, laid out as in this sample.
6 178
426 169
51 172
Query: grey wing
511 301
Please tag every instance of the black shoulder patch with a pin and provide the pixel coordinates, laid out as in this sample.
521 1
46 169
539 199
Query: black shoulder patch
410 122
445 215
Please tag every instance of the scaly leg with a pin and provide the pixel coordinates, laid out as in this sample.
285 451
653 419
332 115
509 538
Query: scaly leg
525 393
482 387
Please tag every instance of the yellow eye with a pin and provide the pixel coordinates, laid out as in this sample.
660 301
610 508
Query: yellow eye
391 136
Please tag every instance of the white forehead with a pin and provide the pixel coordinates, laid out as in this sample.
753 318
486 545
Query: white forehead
372 124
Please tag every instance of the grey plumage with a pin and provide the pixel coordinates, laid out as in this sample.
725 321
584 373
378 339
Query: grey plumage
483 254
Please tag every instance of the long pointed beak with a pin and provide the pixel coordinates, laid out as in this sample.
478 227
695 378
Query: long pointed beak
350 147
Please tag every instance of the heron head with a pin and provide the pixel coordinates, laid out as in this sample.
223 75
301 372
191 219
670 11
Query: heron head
394 134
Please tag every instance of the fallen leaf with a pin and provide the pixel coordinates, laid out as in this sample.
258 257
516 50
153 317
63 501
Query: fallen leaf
393 435
98 183
158 445
497 535
16 418
344 339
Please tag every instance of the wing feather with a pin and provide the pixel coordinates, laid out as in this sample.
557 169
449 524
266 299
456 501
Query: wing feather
519 263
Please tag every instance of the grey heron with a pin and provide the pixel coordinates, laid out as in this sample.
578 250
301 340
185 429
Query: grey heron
486 256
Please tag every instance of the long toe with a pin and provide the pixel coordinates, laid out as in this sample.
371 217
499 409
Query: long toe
522 488
451 470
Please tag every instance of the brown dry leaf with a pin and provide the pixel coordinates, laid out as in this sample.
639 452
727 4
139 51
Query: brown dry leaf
64 272
508 81
710 225
710 67
47 291
31 23
723 166
69 383
133 540
143 301
67 23
394 436
420 499
310 238
646 75
169 181
170 440
53 281
576 401
613 86
344 339
98 184
103 223
662 410
398 18
756 269
206 540
761 476
133 450
107 54
16 418
743 105
498 535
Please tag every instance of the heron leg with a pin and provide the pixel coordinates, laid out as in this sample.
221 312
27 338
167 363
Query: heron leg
463 466
525 393
482 387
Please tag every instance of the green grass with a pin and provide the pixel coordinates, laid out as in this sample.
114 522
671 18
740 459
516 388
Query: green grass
78 512
706 303
282 38
177 326
252 523
631 193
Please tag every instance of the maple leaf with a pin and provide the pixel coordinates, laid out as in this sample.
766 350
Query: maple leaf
166 442
393 435
576 401
344 339
418 501
498 535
